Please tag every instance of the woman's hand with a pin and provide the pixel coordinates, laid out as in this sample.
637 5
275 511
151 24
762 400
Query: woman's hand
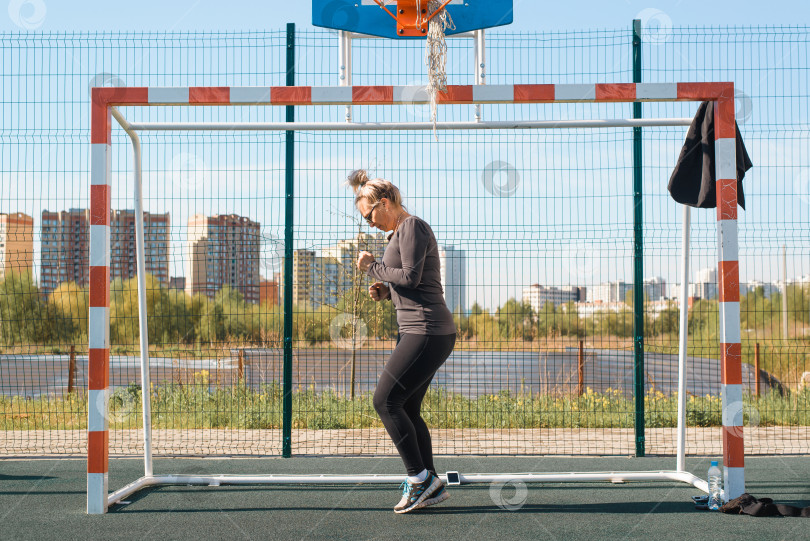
364 260
379 291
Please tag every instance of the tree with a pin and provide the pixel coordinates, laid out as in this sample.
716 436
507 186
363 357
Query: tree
69 308
547 324
382 319
237 315
211 325
515 320
757 311
124 312
570 324
463 328
484 327
798 303
629 297
180 314
560 320
272 325
668 321
704 320
172 317
24 317
618 324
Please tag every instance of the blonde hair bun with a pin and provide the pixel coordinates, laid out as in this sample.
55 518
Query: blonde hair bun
372 190
357 179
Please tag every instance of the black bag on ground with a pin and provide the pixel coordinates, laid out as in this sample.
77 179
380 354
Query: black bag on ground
763 507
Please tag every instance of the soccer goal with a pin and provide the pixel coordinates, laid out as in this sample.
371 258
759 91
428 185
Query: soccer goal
412 19
117 104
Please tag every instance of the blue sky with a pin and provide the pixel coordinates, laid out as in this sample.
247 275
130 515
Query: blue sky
262 15
581 252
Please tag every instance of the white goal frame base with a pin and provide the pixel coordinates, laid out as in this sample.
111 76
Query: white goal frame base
615 477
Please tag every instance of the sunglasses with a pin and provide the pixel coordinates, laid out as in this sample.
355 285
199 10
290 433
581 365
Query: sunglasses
370 212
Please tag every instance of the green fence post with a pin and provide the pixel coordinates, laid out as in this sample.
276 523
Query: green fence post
638 254
289 170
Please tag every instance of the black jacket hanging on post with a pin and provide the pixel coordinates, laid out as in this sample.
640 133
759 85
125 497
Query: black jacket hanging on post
693 179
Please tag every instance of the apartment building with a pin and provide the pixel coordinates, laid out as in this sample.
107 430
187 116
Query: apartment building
16 243
223 250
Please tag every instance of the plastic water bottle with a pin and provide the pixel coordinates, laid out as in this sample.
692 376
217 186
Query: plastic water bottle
715 487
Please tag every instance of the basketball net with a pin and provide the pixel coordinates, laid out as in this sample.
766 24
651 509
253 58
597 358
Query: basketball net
436 56
435 51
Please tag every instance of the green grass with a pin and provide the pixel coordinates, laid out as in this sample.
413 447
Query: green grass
198 405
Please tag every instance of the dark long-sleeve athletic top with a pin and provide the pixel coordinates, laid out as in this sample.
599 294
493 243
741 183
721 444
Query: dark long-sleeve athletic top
412 269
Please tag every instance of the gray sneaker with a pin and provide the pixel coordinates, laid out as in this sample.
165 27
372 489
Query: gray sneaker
413 495
438 496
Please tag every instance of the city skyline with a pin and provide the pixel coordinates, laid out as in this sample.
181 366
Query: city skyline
564 263
318 279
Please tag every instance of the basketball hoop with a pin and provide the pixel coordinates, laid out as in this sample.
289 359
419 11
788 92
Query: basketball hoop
412 16
431 20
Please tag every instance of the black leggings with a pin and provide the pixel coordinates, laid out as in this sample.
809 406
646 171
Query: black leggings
402 386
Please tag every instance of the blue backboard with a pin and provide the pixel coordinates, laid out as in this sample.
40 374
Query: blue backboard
367 17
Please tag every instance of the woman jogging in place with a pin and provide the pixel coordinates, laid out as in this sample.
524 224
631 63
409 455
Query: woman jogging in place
427 332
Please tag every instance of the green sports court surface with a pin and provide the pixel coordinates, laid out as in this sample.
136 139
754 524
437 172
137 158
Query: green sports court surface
45 499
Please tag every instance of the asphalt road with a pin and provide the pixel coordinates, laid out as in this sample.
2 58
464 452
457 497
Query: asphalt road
470 373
